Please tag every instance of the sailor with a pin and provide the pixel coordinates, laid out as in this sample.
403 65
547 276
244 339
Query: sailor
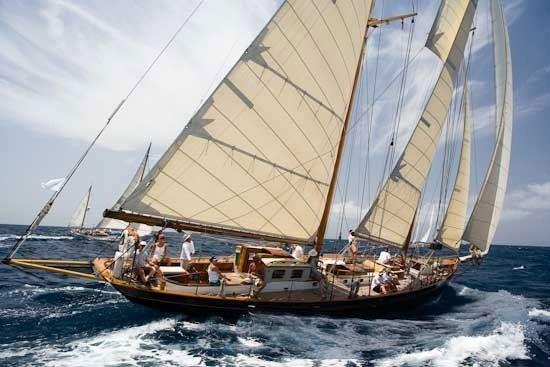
141 260
476 254
297 252
384 257
352 244
187 251
159 254
377 283
213 271
256 270
312 257
389 282
130 238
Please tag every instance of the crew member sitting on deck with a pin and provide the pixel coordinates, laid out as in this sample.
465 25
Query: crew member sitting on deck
213 271
187 251
159 254
377 283
141 260
297 252
389 282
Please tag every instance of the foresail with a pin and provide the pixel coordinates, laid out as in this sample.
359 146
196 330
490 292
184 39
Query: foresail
259 155
391 215
486 213
454 221
138 176
77 220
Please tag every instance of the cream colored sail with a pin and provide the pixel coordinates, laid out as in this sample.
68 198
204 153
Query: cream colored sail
259 155
111 223
486 213
79 215
391 216
454 221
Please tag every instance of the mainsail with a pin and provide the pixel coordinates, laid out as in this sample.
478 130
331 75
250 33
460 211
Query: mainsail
454 221
486 213
79 216
138 176
259 155
391 215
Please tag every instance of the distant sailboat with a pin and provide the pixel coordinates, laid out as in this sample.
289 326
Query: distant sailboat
260 161
104 229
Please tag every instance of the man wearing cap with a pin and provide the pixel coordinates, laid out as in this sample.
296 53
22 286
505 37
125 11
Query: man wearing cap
187 251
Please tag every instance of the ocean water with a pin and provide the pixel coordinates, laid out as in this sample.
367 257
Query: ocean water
497 314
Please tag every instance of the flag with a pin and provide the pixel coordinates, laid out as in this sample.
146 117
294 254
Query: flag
54 184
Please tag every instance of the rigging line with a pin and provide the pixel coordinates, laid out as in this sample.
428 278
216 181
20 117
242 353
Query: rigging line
391 149
40 216
370 116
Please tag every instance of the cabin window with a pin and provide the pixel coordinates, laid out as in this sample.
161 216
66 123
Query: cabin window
296 274
278 274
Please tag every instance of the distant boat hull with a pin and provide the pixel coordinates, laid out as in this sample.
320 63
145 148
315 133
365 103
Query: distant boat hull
87 234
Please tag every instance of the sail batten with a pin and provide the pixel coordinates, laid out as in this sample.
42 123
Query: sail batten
258 156
485 216
391 215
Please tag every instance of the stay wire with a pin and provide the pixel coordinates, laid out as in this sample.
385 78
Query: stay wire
40 216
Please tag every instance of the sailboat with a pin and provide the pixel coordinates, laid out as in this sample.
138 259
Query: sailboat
260 161
108 229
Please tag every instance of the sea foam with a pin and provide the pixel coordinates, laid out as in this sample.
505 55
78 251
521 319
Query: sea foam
505 343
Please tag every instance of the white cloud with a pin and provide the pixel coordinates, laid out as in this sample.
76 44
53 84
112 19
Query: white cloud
65 66
527 200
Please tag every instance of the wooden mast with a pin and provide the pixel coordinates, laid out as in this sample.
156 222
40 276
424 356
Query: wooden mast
319 238
372 22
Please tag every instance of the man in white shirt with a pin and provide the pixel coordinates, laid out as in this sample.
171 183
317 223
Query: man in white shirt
377 283
384 257
297 252
187 251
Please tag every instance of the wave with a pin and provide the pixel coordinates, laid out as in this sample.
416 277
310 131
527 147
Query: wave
122 347
539 314
504 344
39 237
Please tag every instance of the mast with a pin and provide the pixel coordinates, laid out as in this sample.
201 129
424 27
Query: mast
86 208
373 23
320 235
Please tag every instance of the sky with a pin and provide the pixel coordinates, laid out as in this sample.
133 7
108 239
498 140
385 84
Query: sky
65 66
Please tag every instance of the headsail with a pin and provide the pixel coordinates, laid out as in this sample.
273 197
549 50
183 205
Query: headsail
486 213
79 216
454 221
391 216
138 176
258 156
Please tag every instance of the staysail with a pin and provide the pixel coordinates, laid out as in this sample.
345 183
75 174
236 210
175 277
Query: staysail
452 228
486 213
258 156
79 216
391 215
138 176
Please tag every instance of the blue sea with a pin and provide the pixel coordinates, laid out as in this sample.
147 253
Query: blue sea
496 314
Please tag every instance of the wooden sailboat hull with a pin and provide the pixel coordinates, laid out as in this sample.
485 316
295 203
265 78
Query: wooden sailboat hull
196 303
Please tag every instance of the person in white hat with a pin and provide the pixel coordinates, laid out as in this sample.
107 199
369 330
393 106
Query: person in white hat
187 251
